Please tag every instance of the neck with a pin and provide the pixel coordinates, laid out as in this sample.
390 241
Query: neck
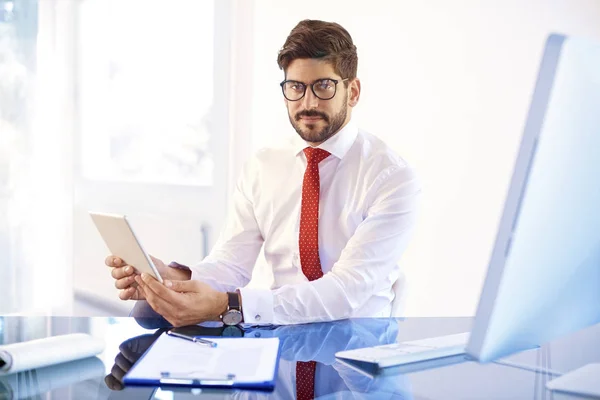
315 144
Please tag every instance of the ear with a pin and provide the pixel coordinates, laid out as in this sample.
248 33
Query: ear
354 92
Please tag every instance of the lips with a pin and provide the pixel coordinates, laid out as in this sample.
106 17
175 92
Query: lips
311 119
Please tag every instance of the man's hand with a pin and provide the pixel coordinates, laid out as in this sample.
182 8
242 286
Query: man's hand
129 352
124 276
183 302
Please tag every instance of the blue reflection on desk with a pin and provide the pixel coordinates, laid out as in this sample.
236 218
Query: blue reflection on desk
307 342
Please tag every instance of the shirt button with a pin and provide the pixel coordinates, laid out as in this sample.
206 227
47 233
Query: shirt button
257 317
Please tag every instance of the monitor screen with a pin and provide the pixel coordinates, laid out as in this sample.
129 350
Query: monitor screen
543 278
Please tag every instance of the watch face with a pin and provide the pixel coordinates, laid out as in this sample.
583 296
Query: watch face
232 317
232 331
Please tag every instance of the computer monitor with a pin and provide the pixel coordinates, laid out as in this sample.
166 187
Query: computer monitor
543 278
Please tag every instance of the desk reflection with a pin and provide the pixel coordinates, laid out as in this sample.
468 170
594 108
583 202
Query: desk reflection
35 382
309 342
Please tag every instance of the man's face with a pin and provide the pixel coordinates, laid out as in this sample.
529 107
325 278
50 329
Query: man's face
314 119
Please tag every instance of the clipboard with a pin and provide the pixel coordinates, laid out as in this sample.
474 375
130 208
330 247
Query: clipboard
235 363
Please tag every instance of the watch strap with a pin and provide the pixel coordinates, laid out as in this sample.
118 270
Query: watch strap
234 301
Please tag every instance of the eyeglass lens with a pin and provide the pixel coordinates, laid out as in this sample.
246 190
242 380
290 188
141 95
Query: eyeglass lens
324 89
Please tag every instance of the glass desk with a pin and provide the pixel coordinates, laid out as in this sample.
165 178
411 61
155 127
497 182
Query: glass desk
521 376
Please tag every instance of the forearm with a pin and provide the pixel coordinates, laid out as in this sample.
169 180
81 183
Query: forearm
335 296
316 301
220 276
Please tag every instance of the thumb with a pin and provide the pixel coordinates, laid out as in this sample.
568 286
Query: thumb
156 261
181 286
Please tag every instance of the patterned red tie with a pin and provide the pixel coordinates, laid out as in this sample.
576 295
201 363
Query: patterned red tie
309 254
309 215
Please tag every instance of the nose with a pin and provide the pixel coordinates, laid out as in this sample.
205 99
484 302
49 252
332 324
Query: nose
310 101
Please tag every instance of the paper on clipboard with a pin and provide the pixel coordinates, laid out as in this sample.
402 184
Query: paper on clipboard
235 362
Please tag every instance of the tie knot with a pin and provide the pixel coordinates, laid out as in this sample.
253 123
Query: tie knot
315 155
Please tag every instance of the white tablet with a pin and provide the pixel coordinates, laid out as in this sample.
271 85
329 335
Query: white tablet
122 242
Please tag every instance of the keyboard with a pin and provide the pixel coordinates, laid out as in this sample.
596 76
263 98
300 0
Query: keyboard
412 351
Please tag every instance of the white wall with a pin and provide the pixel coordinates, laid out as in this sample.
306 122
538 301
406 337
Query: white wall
447 85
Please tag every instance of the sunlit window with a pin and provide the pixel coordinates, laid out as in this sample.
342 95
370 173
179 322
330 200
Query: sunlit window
18 31
146 90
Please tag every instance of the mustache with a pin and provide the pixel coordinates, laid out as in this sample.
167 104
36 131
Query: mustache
311 113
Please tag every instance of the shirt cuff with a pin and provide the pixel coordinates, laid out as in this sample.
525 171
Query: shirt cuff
257 306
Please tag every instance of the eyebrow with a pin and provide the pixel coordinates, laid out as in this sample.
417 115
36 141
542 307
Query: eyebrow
310 83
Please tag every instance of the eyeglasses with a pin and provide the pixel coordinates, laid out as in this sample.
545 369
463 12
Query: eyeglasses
323 89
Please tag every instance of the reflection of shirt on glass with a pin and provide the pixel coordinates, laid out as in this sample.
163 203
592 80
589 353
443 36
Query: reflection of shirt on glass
367 212
320 342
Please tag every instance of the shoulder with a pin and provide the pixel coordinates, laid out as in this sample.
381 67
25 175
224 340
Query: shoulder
373 154
392 182
276 152
277 156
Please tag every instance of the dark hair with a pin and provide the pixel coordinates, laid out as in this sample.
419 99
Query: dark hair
323 40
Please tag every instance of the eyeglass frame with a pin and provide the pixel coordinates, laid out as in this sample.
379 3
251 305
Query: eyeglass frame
312 87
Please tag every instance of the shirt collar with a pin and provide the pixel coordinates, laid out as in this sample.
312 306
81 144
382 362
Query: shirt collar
338 144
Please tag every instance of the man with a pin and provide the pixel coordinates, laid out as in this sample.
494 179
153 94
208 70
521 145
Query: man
334 209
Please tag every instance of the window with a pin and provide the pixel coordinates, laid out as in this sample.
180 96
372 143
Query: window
18 30
152 128
146 91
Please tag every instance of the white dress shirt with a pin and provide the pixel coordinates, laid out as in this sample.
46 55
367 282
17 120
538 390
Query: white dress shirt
367 212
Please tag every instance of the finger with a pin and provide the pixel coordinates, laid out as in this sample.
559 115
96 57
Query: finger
122 362
181 286
113 383
125 283
151 284
141 289
133 348
127 294
113 261
122 272
117 372
139 292
159 304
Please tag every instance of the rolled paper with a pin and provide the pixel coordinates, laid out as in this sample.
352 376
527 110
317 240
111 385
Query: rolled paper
32 383
52 350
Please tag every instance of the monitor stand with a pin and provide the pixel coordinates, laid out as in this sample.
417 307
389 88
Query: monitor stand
582 381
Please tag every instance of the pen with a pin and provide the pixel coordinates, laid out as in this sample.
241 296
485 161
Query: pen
198 340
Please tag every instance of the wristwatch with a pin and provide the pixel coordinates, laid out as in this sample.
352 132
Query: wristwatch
232 331
233 315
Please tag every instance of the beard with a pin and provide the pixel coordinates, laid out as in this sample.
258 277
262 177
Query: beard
311 133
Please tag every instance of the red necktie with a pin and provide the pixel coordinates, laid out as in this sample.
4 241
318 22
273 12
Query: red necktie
309 215
305 380
309 254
